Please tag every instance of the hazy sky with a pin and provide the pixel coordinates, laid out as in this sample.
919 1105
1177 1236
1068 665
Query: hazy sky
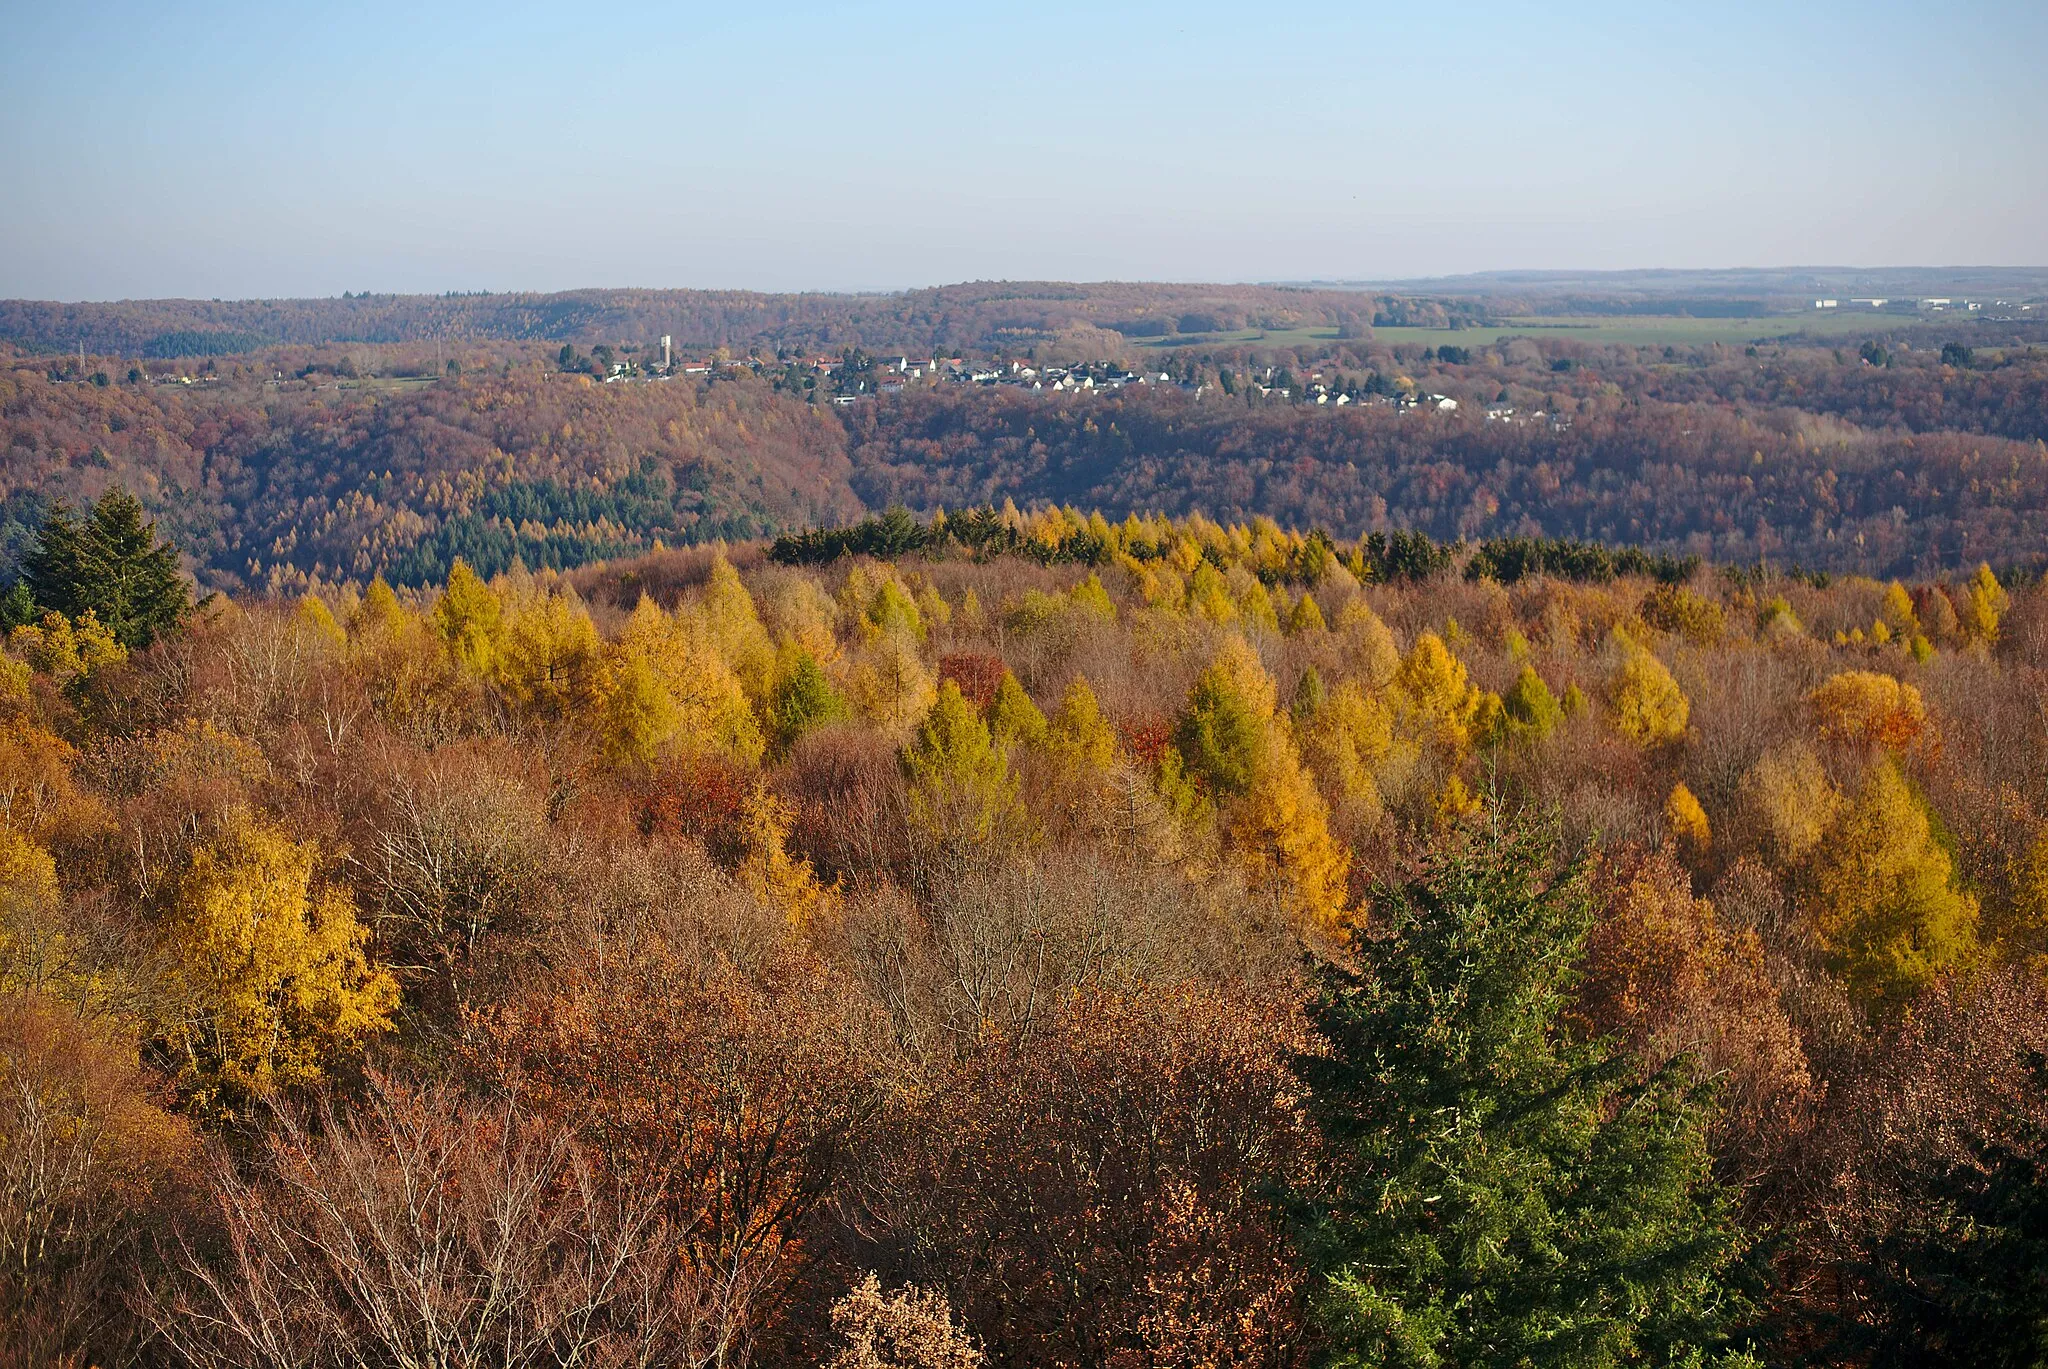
222 149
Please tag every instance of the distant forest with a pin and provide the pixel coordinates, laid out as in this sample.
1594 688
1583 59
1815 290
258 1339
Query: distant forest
292 467
976 316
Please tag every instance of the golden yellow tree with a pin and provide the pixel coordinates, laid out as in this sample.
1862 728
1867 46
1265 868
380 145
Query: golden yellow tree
1078 733
667 688
1789 794
1888 909
1348 742
1984 605
1280 831
36 952
1437 696
1864 708
468 616
1686 819
268 979
550 660
312 614
67 649
1277 822
888 682
1897 611
769 871
1649 708
735 629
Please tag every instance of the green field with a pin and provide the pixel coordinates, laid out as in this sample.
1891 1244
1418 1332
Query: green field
1648 331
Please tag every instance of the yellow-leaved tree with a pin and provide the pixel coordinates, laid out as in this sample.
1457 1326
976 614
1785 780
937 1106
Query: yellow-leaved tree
1649 708
1789 794
36 950
735 629
1436 700
1887 909
1529 711
1865 709
769 871
959 775
549 662
1078 733
268 980
1984 605
667 688
468 617
1305 616
67 649
1896 611
1244 757
2021 933
1368 643
1012 717
1687 820
1349 743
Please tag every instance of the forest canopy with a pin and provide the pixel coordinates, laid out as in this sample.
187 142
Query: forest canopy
1070 941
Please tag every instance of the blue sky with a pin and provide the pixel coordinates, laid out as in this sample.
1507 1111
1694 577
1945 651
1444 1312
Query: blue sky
238 150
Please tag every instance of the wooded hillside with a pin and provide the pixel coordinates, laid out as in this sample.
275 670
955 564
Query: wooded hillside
1218 948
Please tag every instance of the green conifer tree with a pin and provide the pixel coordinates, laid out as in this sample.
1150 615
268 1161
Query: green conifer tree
109 564
803 698
1503 1194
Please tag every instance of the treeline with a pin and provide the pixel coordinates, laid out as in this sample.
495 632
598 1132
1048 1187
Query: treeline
1221 952
1067 536
982 316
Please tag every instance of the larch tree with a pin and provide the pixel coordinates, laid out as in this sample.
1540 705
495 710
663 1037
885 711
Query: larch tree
1012 717
735 628
1984 604
803 697
959 777
468 617
667 687
1244 755
1888 909
1439 704
1078 732
1531 712
550 662
1649 707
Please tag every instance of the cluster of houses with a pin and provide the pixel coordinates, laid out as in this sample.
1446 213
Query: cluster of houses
846 384
1932 304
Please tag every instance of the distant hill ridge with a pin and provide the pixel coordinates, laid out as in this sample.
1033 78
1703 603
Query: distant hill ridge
976 315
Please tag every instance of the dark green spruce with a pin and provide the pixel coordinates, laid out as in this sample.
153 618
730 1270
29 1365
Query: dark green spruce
110 563
1501 1193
